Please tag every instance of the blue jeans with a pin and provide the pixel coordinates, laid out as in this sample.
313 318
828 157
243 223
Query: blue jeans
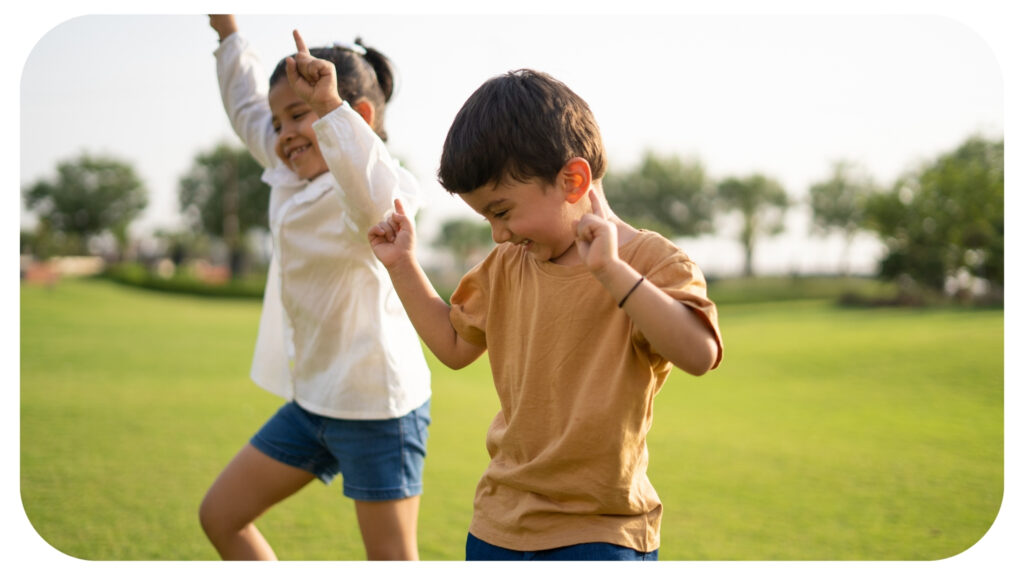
477 550
378 459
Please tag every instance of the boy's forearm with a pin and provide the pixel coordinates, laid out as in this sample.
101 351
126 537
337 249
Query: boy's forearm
429 314
671 327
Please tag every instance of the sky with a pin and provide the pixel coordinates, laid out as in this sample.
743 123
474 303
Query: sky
780 88
783 95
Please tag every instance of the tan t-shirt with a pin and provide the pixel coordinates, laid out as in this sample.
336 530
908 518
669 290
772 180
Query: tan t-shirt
576 381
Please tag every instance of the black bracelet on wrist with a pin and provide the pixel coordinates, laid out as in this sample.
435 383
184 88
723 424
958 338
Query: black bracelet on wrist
631 290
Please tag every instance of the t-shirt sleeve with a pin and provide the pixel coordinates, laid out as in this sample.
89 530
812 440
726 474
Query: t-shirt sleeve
681 278
469 305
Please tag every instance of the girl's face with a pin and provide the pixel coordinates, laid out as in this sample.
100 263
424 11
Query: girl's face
535 215
293 123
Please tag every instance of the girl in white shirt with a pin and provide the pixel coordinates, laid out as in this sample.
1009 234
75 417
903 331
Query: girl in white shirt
334 340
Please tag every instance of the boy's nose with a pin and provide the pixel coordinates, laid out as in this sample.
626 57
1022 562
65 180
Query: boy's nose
499 233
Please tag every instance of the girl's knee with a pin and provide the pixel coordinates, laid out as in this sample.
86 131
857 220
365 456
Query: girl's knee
206 513
211 517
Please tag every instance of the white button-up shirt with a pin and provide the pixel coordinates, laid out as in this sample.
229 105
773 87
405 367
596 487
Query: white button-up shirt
333 334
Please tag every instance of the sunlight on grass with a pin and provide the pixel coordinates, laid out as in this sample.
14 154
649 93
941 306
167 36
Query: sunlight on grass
825 434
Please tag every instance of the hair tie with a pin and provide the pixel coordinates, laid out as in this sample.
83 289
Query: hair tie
350 47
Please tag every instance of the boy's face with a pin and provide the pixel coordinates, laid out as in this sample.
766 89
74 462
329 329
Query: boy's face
535 215
293 123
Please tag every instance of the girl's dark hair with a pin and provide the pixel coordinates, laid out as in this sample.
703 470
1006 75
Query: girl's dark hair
523 124
370 76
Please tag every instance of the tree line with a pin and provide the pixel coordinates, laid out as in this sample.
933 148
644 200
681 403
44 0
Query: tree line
941 223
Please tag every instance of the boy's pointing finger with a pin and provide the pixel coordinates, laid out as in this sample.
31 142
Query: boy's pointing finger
595 205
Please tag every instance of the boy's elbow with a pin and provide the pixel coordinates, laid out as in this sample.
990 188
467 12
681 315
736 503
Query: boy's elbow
696 370
704 360
457 358
454 363
457 363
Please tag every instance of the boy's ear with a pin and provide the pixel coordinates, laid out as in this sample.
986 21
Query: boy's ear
576 177
365 109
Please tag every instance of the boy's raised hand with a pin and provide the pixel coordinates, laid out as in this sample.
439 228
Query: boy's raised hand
314 80
394 238
597 238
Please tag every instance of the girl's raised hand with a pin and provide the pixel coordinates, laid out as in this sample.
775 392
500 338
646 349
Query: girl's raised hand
224 24
394 238
314 80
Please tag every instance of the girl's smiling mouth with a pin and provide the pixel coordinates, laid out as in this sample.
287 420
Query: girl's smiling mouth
295 152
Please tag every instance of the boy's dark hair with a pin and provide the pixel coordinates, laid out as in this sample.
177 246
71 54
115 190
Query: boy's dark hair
370 76
523 124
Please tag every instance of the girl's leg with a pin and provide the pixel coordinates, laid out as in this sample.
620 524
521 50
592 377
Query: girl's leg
250 484
389 528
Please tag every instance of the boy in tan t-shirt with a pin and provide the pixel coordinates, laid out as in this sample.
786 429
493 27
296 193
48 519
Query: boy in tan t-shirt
582 317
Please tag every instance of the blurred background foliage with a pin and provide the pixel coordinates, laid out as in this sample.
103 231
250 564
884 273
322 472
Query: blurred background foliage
940 224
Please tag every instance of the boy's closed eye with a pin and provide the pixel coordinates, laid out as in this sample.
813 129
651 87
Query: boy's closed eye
495 216
497 209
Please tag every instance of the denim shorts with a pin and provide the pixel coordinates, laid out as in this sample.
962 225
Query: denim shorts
478 550
378 459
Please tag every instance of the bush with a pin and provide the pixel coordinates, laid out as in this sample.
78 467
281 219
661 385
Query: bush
791 288
136 275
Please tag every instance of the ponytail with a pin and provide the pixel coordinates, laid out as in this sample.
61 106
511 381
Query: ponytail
382 67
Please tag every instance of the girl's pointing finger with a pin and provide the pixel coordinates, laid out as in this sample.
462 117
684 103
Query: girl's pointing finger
300 45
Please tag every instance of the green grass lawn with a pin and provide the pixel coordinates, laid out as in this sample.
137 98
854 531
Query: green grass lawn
827 433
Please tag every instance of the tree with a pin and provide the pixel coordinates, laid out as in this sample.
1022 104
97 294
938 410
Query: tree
91 195
222 195
839 203
665 194
466 240
762 203
944 222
